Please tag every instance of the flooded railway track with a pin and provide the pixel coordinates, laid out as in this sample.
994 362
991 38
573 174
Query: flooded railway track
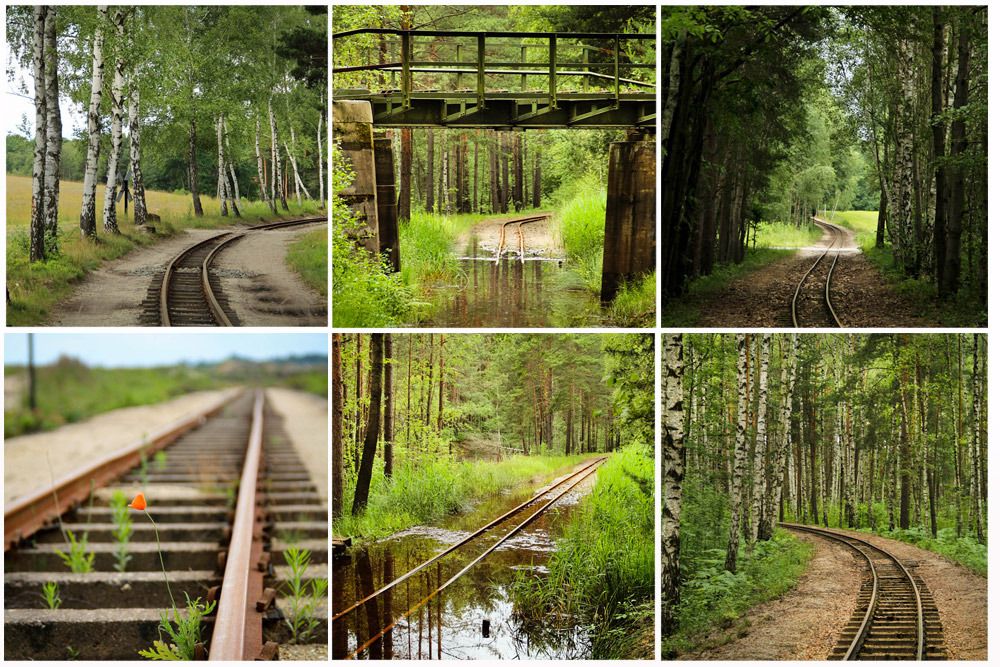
895 617
365 628
519 229
831 254
189 293
229 493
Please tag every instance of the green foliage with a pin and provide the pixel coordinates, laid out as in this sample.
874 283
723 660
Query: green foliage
71 392
712 597
160 459
305 599
308 258
50 593
581 227
424 492
784 235
77 559
602 573
184 632
123 529
963 550
635 304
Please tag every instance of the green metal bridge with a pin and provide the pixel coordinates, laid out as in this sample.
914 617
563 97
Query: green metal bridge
500 80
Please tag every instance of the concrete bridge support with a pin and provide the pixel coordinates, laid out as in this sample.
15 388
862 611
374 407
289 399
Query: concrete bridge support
352 126
385 197
630 222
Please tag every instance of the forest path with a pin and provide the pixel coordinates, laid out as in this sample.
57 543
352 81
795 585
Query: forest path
113 294
802 624
860 294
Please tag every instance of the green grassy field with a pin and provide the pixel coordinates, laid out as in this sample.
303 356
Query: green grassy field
35 288
308 257
784 235
862 223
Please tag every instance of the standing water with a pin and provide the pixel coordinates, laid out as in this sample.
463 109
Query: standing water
474 617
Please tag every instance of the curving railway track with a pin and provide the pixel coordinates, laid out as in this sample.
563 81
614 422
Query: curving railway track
369 622
519 230
895 617
812 304
227 492
189 293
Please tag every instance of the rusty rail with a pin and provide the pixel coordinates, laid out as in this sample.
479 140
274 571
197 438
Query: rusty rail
581 474
28 514
238 630
520 222
837 237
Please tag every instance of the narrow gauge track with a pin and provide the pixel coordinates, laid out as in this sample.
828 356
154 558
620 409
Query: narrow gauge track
229 493
189 295
520 222
895 618
459 559
832 254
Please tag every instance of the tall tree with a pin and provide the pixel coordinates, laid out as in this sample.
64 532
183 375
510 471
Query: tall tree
88 208
673 476
337 435
363 485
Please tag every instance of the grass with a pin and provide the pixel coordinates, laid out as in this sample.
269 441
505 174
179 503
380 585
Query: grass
603 571
863 223
69 392
427 245
36 287
713 599
635 303
685 312
784 235
308 258
424 492
312 382
184 632
365 293
50 594
305 598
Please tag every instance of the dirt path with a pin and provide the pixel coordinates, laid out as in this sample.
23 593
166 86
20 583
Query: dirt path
805 622
762 298
960 595
27 458
259 285
540 238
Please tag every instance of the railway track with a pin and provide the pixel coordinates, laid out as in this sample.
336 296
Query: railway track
369 622
228 493
520 223
895 617
189 293
826 311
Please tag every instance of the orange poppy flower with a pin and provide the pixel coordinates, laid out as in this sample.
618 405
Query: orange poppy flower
138 503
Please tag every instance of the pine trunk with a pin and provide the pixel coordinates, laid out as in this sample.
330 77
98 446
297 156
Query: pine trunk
337 430
388 428
374 424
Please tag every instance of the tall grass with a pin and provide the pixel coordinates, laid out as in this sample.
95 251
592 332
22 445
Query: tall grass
36 287
425 490
581 227
365 293
308 258
863 223
603 572
784 235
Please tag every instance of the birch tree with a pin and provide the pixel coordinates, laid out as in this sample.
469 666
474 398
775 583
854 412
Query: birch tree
760 450
117 103
740 454
139 210
53 132
672 474
88 208
37 232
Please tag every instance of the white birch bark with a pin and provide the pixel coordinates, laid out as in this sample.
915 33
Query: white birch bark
53 131
672 473
88 208
37 231
740 453
221 171
760 450
117 105
320 158
262 169
276 170
139 210
234 183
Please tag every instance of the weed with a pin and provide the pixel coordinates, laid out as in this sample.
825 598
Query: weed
50 593
304 598
184 632
72 653
160 459
78 559
123 529
143 469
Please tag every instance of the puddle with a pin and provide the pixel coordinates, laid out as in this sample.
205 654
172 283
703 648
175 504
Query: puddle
531 291
473 617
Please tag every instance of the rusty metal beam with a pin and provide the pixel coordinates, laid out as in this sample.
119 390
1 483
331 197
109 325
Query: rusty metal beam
237 633
26 515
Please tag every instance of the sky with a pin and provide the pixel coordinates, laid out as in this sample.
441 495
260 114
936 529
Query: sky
157 349
17 104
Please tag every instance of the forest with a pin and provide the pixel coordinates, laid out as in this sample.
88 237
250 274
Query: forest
882 433
873 118
175 117
455 185
432 431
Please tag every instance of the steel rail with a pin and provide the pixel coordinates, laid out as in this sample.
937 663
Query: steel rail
496 545
237 633
829 276
802 281
169 272
519 222
28 514
865 627
492 524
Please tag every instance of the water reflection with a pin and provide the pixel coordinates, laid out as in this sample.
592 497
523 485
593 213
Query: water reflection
473 618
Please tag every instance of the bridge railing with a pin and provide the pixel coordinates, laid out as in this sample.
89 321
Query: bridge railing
466 64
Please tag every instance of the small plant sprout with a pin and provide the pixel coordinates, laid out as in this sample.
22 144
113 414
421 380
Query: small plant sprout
139 504
123 529
304 597
143 469
184 632
50 593
160 459
77 559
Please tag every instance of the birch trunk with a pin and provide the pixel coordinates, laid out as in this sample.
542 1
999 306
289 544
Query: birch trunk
117 109
320 157
740 454
261 170
780 460
760 451
234 183
977 516
193 167
135 156
277 179
88 208
673 474
37 232
53 131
